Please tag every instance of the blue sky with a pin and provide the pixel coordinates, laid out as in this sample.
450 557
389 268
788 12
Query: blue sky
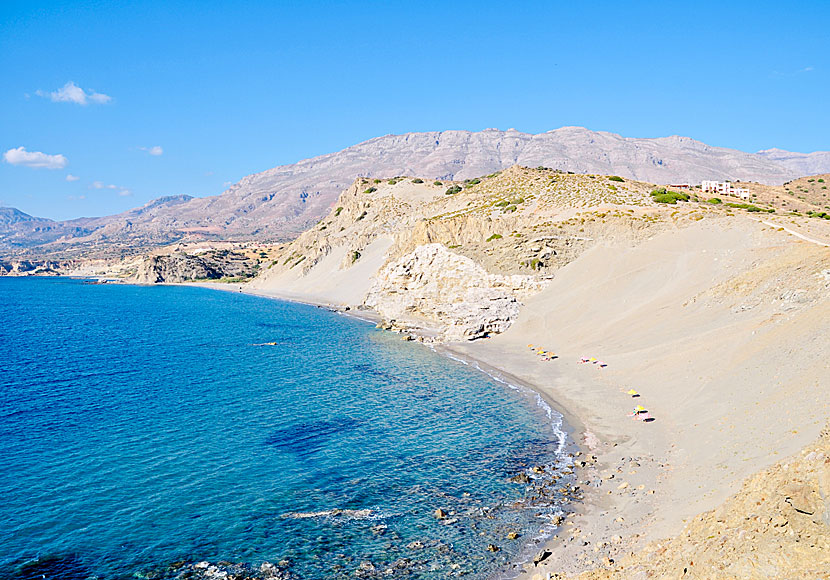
222 90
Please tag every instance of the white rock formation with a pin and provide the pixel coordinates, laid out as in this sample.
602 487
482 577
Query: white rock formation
434 285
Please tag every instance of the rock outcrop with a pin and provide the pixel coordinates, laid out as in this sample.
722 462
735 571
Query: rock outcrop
184 267
434 284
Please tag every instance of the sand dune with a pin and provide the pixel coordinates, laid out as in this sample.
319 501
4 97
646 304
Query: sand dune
723 329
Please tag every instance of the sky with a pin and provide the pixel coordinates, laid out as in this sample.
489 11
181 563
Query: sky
107 105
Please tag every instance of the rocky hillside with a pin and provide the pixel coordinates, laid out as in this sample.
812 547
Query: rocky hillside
279 203
777 526
456 259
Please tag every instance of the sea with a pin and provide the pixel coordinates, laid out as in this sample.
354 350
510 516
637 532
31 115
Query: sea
148 429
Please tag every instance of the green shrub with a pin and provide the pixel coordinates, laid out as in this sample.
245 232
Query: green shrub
453 246
355 256
371 190
453 190
377 180
417 180
493 237
392 181
749 207
819 214
714 200
472 182
660 195
361 216
535 264
502 203
615 178
821 180
510 209
438 183
517 200
337 211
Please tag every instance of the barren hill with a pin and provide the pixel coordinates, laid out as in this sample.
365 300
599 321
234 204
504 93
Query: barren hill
282 202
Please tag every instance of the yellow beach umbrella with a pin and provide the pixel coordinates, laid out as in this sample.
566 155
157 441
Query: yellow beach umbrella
639 408
631 392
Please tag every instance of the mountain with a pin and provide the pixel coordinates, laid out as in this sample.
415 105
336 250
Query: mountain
155 221
801 163
281 202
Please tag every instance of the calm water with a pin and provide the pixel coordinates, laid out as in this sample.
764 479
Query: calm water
141 426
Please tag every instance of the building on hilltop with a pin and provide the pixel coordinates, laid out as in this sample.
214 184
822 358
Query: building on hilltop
724 188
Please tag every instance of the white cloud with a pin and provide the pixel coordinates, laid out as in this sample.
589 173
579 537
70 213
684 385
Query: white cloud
70 177
122 191
34 159
72 93
157 150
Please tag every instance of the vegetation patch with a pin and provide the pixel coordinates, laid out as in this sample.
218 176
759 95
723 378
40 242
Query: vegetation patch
819 214
493 237
750 208
370 190
714 200
417 180
661 195
615 178
355 256
453 190
361 216
438 183
337 211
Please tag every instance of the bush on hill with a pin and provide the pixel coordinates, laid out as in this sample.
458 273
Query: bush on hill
714 200
615 178
417 180
493 237
660 195
453 190
370 190
438 183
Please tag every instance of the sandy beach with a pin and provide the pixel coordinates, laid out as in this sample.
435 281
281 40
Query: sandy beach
721 329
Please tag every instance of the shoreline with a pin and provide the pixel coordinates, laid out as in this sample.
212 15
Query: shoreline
577 514
690 347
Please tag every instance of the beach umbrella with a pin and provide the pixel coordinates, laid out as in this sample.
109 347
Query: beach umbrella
632 392
639 409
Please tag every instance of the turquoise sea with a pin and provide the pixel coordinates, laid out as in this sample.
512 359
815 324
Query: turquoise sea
144 428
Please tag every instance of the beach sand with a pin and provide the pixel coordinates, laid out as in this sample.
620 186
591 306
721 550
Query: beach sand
721 327
734 375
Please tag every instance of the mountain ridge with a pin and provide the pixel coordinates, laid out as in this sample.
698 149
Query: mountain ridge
279 203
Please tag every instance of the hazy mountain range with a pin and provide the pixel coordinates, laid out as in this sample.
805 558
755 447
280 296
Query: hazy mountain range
281 202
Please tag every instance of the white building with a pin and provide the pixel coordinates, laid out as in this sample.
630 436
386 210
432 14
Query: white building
724 188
